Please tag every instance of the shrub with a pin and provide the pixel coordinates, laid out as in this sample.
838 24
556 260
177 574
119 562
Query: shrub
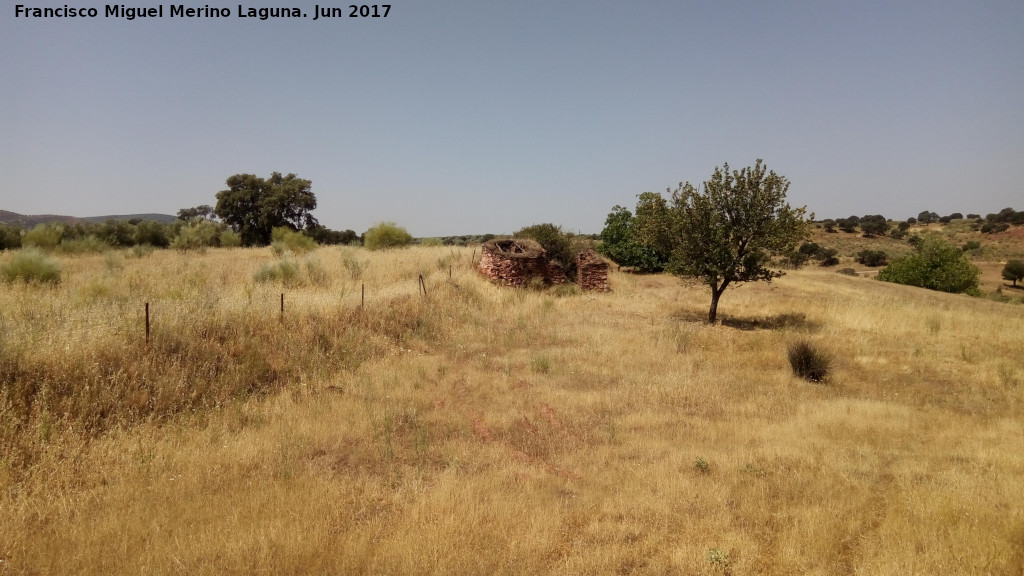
10 237
229 239
994 227
89 244
430 242
971 245
808 362
557 244
45 236
1014 271
31 265
872 257
935 264
196 235
847 272
152 233
386 235
292 240
829 257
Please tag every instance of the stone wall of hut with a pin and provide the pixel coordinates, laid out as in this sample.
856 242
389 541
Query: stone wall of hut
515 262
592 271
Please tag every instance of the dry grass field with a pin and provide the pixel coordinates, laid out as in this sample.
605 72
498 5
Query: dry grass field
485 430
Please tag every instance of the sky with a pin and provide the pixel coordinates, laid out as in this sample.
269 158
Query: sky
484 116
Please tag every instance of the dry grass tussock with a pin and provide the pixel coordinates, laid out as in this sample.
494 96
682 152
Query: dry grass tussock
482 430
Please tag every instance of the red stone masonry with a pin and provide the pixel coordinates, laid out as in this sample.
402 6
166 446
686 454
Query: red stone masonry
516 261
592 271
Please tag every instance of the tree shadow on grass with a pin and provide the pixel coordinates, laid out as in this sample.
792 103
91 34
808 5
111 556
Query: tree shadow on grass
786 321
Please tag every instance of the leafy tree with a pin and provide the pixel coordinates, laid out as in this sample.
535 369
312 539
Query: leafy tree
201 212
325 236
830 225
848 225
386 235
927 217
956 216
152 233
729 233
254 206
620 240
874 225
935 264
1014 271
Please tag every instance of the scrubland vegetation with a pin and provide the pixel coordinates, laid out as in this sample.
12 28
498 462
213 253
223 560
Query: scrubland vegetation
484 430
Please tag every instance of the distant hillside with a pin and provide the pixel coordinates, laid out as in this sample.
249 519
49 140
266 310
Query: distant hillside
28 221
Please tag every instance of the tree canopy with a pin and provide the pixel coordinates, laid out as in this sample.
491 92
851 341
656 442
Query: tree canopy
935 264
730 232
253 206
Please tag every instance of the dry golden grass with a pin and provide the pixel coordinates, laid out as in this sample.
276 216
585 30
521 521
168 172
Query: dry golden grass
483 430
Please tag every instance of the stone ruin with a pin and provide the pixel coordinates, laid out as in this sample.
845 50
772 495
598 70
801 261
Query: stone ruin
592 271
516 261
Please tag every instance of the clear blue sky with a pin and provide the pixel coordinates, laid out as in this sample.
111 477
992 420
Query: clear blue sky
486 116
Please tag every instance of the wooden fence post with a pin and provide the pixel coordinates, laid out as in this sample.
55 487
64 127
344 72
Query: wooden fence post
147 323
282 306
362 299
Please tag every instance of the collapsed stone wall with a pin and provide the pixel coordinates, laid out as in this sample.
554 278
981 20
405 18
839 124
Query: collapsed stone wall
516 261
592 271
513 262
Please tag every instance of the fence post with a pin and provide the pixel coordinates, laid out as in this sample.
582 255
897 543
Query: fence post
282 306
147 323
423 285
362 299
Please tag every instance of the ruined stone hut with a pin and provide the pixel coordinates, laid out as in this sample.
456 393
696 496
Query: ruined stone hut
592 271
516 261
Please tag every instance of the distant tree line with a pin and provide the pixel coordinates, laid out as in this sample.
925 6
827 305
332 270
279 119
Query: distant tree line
877 225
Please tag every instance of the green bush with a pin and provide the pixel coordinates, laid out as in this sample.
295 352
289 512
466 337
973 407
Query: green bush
872 257
196 236
557 244
386 235
808 362
45 236
10 237
31 265
89 244
847 272
971 245
229 239
292 240
935 264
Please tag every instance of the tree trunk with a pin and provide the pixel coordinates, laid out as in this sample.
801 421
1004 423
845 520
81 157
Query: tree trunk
713 313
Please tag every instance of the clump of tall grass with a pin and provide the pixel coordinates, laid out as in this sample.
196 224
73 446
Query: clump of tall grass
33 266
808 362
285 271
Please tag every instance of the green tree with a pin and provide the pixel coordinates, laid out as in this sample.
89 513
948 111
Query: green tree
874 225
935 264
730 232
1014 271
254 206
620 238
